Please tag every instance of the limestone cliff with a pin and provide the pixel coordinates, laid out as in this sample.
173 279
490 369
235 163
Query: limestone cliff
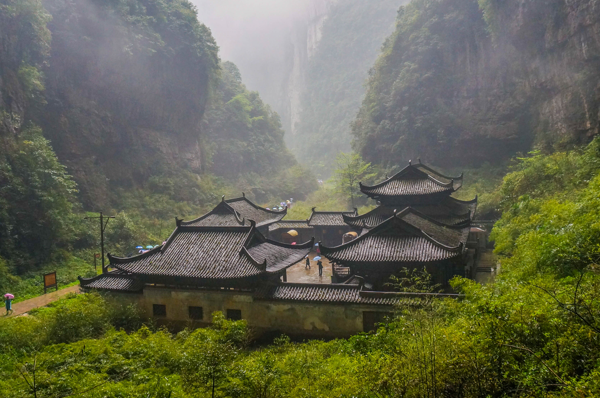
463 83
299 44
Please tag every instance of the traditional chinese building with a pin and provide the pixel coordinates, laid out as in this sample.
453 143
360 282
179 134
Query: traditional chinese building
235 258
218 263
416 225
413 185
406 239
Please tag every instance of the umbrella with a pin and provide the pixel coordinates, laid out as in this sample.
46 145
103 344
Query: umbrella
317 258
9 296
139 247
317 244
149 247
293 243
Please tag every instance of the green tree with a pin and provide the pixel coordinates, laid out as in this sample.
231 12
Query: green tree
36 202
351 169
210 353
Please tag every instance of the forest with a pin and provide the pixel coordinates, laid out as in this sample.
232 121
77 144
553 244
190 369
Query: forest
126 107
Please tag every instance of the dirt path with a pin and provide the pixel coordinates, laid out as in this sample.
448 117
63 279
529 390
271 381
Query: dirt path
40 301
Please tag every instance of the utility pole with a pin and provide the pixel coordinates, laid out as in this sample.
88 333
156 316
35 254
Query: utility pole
102 228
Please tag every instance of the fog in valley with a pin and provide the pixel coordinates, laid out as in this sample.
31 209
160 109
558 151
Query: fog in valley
268 40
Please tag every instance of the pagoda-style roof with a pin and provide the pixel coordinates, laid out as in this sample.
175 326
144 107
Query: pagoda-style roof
236 212
413 181
407 237
449 211
329 218
289 224
214 253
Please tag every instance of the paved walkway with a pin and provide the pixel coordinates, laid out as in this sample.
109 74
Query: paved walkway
298 274
41 301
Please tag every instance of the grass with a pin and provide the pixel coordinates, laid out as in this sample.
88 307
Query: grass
31 284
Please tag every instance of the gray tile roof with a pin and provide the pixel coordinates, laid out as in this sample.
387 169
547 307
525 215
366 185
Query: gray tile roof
329 218
289 224
250 211
340 294
278 256
235 212
217 220
405 238
449 211
114 280
413 180
223 253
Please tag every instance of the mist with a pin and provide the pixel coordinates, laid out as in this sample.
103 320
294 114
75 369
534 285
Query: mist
255 35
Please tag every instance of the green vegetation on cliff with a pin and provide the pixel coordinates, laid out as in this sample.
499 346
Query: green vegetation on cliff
244 141
459 86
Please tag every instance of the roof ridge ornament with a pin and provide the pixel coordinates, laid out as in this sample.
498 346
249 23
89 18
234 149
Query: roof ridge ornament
243 194
410 162
223 198
178 222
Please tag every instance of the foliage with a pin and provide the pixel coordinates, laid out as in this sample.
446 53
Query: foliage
128 84
506 339
408 109
550 213
351 169
36 201
350 39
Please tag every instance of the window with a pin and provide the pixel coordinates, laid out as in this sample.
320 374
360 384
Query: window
195 312
234 315
159 310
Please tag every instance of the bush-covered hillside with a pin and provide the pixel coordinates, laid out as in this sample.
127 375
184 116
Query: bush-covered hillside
351 38
462 82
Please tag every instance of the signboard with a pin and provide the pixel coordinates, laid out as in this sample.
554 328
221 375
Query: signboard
50 281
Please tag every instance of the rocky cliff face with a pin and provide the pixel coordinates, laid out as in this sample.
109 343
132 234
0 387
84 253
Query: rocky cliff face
300 45
558 44
465 83
333 89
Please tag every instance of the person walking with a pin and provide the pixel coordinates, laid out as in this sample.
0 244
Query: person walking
320 265
307 266
8 298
